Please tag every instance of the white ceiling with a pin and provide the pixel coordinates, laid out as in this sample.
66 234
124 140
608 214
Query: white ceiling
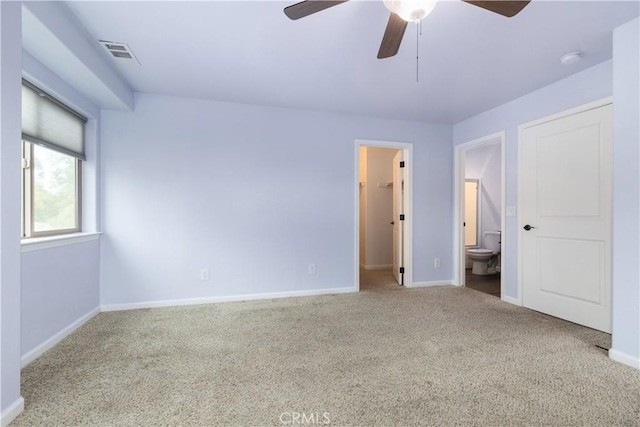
240 51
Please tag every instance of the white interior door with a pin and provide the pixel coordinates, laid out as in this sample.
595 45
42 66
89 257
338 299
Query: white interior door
398 210
471 213
565 211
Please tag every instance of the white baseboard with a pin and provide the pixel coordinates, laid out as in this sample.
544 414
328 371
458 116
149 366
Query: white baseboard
510 300
378 267
12 412
48 344
231 298
432 283
624 358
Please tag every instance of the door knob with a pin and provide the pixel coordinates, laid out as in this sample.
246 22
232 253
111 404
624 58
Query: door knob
528 227
392 222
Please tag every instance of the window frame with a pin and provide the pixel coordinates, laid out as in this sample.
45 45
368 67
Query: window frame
27 195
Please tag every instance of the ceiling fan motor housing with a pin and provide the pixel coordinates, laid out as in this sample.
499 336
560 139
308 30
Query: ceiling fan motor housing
410 10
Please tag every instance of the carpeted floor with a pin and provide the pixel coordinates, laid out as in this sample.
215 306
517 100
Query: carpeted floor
432 356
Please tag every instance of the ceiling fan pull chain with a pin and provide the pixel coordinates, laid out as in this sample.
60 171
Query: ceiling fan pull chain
418 33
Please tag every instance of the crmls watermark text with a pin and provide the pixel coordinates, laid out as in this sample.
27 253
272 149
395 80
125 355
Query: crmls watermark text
303 418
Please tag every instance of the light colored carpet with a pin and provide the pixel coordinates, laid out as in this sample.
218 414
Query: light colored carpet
435 356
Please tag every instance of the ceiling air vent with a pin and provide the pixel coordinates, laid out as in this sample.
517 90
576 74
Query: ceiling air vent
120 51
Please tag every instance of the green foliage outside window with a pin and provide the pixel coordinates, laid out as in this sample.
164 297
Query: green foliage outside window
54 190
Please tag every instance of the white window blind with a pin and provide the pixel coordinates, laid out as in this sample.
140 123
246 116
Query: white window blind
47 122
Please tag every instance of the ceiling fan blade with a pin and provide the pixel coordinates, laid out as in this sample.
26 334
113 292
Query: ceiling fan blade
392 36
309 7
504 8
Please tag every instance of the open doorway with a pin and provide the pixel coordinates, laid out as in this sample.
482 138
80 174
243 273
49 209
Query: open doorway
480 193
383 220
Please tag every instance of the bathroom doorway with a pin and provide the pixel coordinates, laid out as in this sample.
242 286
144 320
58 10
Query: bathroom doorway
383 220
479 198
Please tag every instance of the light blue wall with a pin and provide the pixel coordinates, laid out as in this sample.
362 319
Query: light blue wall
35 72
37 290
59 286
62 284
10 131
626 192
53 35
588 85
253 193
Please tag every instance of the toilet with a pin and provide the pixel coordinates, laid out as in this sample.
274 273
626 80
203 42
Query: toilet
487 260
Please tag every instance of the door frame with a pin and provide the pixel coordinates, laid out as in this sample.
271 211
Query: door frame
562 114
407 147
458 198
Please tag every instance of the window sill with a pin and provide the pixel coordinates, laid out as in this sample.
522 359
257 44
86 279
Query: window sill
39 243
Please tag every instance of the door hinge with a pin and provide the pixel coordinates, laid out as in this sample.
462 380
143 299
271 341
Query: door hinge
401 270
401 164
401 217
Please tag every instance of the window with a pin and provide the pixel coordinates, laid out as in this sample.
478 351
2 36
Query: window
53 151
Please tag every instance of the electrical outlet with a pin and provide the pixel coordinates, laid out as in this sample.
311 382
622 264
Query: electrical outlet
436 262
312 269
204 274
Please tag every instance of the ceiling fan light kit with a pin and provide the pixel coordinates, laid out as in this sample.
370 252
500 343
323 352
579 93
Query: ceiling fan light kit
402 12
410 10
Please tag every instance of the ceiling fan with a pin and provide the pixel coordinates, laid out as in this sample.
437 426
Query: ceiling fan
403 12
